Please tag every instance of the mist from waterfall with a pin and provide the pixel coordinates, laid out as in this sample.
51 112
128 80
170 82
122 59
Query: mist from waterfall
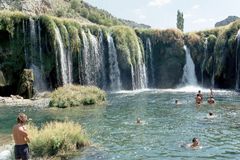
189 76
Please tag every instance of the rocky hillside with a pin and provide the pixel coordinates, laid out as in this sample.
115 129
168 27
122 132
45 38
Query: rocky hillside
77 9
226 21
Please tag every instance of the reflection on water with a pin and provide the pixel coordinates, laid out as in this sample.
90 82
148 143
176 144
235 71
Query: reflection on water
165 126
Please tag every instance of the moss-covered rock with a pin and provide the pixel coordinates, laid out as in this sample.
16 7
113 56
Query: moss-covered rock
25 88
2 79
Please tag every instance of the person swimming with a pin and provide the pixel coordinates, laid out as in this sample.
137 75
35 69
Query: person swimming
199 98
200 95
211 100
138 120
195 143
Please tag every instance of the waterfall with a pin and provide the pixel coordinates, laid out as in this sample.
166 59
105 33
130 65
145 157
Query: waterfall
133 77
85 57
204 59
141 69
69 58
92 61
113 65
102 62
237 57
189 76
95 59
26 55
36 57
33 40
63 60
149 62
40 46
213 79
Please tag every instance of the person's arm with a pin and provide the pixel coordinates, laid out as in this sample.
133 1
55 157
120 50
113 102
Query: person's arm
24 133
27 139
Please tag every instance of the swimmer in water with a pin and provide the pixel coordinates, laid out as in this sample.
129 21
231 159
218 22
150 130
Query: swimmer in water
138 120
195 143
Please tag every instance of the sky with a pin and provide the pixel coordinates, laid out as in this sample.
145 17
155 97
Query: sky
162 14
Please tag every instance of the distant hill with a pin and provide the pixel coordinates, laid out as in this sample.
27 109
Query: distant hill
134 24
77 9
226 21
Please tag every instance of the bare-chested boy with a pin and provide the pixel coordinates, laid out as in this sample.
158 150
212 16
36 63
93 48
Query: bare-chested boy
21 139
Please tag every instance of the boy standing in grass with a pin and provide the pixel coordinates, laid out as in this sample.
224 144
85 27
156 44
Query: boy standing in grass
20 136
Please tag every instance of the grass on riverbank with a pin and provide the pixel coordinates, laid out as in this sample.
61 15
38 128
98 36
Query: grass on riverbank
75 95
56 138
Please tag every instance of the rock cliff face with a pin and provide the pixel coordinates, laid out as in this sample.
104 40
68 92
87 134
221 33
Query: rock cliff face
226 21
33 7
60 51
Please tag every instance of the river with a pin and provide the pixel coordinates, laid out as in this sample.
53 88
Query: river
164 127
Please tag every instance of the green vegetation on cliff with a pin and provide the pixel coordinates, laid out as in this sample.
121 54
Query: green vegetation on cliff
221 53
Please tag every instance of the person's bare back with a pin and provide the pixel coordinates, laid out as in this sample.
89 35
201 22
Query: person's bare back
20 135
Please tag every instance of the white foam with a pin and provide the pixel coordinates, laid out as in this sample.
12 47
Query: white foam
186 89
5 155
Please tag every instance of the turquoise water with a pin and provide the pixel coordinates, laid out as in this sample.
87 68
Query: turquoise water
165 126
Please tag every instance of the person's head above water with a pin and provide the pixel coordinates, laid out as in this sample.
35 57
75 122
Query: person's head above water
138 120
195 142
199 91
210 114
176 101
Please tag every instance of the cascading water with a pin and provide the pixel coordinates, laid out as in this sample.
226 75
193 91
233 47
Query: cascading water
69 58
26 53
189 76
149 62
63 60
237 57
33 41
113 65
141 70
40 45
36 57
204 59
95 59
103 76
85 60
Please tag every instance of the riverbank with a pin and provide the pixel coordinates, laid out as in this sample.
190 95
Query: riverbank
8 101
40 100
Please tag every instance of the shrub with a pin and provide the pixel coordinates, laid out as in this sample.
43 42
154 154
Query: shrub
56 138
73 95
